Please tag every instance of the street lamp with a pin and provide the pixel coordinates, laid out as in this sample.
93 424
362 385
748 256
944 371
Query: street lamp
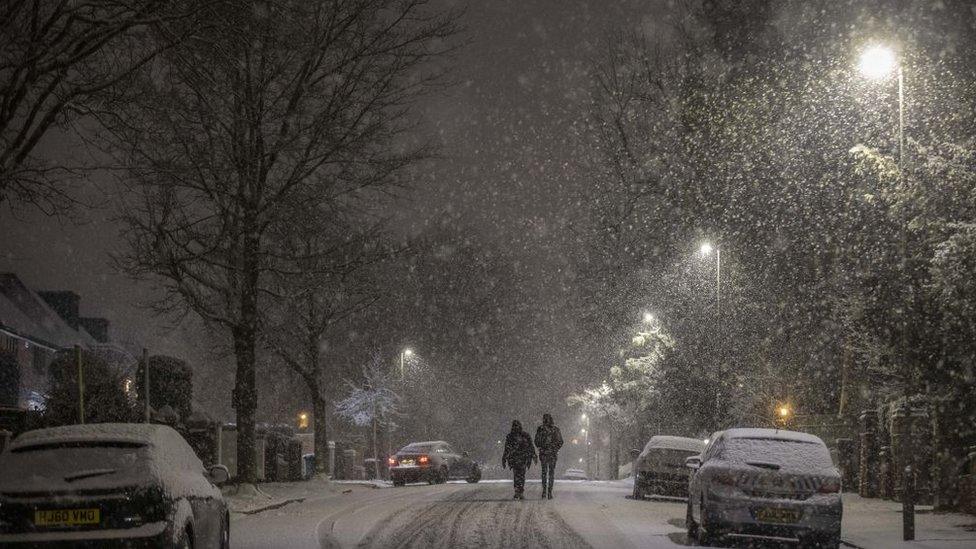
403 354
648 318
878 62
706 250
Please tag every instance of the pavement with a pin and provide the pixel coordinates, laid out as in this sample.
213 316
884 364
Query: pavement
324 514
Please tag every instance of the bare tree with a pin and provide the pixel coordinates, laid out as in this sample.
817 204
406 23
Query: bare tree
327 283
57 59
275 117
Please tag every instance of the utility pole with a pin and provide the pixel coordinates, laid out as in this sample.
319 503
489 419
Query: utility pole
81 386
145 381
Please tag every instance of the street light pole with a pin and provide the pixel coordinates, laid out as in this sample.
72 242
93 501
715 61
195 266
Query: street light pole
877 62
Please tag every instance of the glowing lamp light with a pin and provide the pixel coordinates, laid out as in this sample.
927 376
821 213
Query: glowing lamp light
706 249
648 318
407 352
303 420
877 62
783 411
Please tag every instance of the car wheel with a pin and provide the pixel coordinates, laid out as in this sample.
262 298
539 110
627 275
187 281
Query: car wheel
225 533
443 476
821 542
705 536
185 541
690 524
475 475
398 481
638 490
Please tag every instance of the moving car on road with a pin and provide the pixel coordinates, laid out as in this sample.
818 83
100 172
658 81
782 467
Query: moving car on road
660 469
110 484
434 462
575 474
765 483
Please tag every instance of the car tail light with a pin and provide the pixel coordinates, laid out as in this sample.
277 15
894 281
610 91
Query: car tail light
423 460
829 486
391 461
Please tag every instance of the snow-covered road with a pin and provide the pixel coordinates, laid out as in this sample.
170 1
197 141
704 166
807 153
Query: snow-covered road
590 514
584 514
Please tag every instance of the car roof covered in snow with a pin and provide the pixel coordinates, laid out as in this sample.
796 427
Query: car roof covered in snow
141 433
774 434
426 443
669 442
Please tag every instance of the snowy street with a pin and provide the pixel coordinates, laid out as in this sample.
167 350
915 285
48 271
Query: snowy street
583 514
589 514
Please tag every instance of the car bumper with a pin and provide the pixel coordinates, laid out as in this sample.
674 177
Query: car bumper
156 534
411 474
662 484
820 515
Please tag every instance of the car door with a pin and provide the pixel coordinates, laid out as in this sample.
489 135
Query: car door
453 460
695 487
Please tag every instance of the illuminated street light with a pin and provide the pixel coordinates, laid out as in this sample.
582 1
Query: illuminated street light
784 411
403 354
706 249
303 420
648 318
583 417
877 62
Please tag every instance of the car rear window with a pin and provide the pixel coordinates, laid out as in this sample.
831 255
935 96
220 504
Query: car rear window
669 457
785 453
423 448
75 461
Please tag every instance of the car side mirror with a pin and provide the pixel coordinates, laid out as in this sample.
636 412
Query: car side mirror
634 453
693 462
219 474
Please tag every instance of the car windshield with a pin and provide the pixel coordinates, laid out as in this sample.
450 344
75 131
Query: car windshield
794 454
74 462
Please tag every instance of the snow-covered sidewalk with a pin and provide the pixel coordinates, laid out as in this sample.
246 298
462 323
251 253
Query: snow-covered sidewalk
877 523
250 499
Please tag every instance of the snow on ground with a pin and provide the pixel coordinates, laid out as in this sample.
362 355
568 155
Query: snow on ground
583 514
875 523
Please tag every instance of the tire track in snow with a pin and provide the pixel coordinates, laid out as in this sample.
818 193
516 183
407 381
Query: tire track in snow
482 517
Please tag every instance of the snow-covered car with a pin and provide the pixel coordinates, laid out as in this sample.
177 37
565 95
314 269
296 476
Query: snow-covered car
110 484
765 483
575 474
434 462
660 468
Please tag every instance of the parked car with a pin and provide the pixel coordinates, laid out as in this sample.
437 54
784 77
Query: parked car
110 484
435 462
660 468
765 483
575 474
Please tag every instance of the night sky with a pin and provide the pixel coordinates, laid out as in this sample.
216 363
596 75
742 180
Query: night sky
509 170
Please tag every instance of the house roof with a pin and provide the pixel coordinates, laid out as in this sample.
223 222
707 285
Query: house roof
26 314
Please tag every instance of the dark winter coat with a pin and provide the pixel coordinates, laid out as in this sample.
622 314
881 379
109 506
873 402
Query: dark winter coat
519 451
548 439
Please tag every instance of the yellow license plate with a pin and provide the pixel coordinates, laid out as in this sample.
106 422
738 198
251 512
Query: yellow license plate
777 515
67 517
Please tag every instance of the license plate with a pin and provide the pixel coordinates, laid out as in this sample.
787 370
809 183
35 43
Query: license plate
777 515
67 517
407 463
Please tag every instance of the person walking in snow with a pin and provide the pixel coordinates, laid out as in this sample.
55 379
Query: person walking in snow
548 440
519 455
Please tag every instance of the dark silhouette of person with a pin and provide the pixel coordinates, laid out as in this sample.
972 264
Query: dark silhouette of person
548 440
519 455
